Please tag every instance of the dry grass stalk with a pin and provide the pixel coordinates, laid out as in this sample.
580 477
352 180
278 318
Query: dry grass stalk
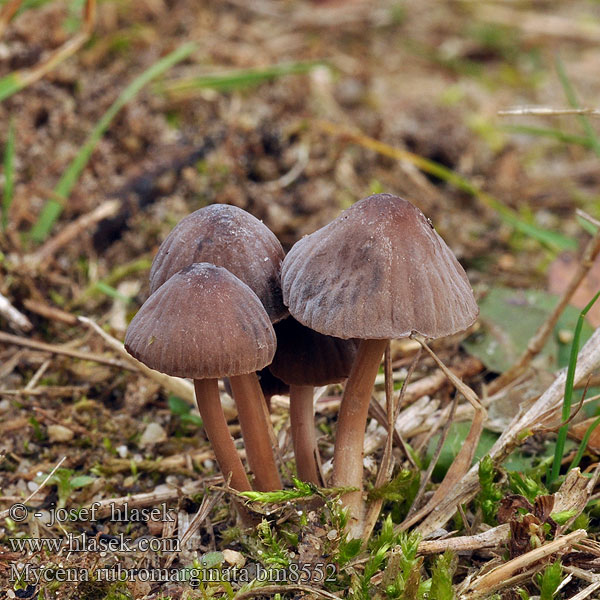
54 349
5 513
180 387
72 231
500 576
163 493
16 318
492 538
544 111
540 25
26 77
545 409
463 460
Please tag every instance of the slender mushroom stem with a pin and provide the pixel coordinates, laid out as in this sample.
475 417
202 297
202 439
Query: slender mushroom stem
350 436
215 425
256 431
304 437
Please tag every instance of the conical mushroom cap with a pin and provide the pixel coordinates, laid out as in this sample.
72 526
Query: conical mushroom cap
202 323
307 357
378 271
228 237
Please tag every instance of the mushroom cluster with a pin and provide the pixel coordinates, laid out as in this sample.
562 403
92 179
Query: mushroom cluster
220 283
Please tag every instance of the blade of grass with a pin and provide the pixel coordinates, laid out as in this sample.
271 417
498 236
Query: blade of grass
552 239
112 292
584 442
568 398
237 79
557 134
10 84
53 208
572 98
9 174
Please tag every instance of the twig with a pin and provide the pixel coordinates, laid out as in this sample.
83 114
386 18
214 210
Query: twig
162 494
180 387
492 538
17 319
208 503
49 312
587 217
586 592
4 513
537 342
43 347
72 231
497 578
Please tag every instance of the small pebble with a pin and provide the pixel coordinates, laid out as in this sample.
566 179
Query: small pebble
234 558
58 433
154 434
122 451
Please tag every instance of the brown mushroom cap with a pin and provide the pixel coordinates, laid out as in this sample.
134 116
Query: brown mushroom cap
202 323
228 237
307 357
378 271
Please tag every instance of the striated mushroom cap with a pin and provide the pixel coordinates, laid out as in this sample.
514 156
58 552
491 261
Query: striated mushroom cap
307 357
378 271
203 323
228 237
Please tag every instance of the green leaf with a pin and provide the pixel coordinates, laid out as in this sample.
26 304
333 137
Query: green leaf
510 318
54 208
178 406
457 435
81 481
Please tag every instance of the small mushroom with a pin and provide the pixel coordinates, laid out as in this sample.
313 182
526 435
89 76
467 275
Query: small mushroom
232 238
377 272
204 323
305 358
225 236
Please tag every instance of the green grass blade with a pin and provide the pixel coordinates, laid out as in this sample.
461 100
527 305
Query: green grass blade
239 78
568 399
572 98
53 208
584 442
557 134
551 239
9 174
9 84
